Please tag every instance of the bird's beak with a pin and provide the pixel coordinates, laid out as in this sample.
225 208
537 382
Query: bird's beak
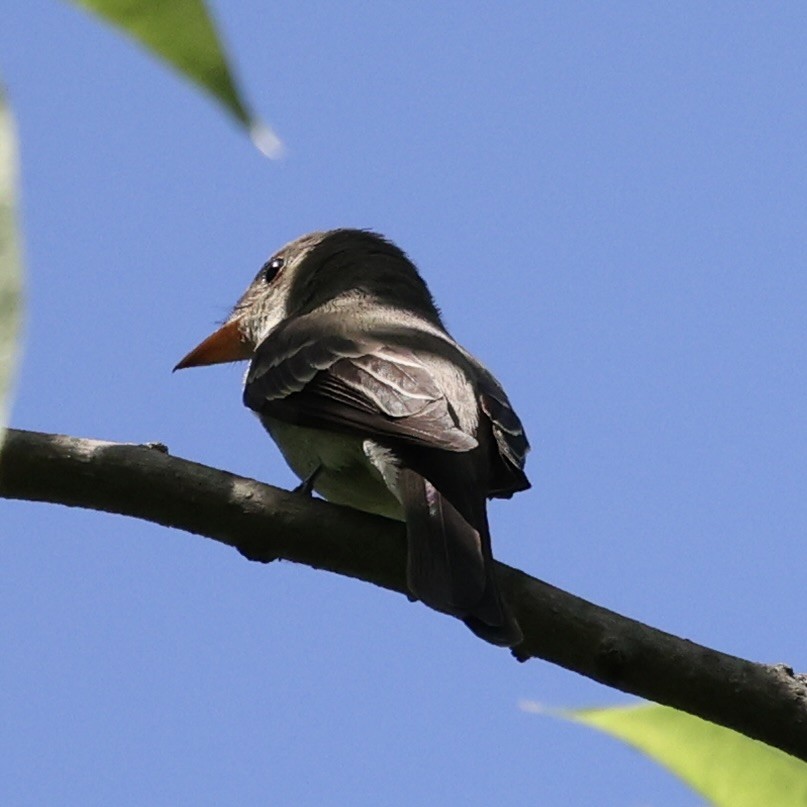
226 344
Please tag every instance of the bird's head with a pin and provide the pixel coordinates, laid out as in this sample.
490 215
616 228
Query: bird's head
306 274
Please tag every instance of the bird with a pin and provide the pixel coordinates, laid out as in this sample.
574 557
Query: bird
374 405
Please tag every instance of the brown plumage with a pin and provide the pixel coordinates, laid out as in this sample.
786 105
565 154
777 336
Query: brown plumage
370 399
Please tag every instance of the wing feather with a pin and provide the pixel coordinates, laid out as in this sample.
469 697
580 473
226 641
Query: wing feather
328 380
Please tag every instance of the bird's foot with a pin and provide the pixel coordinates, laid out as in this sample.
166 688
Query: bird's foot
306 487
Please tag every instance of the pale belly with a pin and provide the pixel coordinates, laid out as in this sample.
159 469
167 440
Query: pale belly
347 475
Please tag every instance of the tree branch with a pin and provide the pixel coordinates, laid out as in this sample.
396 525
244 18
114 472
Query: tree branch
768 703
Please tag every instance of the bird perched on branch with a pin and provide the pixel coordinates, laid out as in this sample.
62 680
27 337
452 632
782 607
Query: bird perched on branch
375 406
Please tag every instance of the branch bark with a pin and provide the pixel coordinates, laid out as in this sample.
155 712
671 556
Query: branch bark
768 703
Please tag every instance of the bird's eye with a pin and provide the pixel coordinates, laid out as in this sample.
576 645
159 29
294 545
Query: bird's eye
271 269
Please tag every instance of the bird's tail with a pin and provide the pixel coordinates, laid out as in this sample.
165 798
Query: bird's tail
450 565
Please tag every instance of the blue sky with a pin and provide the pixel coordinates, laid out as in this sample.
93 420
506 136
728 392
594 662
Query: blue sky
608 201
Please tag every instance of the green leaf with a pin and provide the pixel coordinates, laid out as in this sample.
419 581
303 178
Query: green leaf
182 33
10 264
727 768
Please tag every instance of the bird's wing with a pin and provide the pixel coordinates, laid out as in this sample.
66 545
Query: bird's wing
359 383
377 384
507 475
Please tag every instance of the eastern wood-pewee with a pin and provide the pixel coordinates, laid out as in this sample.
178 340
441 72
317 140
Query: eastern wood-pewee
375 406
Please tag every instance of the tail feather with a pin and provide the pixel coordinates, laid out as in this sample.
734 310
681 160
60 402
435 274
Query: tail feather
450 567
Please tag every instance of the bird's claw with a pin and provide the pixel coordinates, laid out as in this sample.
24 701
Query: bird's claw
306 487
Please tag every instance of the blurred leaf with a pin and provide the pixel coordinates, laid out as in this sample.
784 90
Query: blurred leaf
10 265
182 33
727 768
